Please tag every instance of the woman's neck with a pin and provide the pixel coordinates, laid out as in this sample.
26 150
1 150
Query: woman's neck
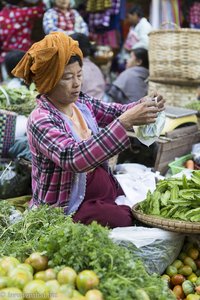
66 109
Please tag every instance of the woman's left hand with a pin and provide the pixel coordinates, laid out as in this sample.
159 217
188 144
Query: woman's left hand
159 100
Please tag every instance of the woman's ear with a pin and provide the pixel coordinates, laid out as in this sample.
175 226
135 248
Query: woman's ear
138 62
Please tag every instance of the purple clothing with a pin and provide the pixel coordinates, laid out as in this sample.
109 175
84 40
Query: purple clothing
96 86
56 155
99 203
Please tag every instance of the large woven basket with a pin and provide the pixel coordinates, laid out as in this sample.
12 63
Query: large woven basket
175 95
174 55
167 224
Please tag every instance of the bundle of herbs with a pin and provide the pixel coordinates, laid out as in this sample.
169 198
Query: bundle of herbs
48 231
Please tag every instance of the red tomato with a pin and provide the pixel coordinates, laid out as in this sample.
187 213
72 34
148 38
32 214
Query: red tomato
177 279
178 291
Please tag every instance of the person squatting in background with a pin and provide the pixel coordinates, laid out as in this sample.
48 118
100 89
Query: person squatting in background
132 84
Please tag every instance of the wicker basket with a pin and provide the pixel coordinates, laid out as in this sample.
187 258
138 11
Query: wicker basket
174 55
167 224
175 95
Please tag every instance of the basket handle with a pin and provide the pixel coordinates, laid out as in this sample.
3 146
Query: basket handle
6 95
170 23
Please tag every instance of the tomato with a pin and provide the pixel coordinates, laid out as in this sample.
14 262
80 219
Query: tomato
53 286
67 290
178 291
67 276
182 255
36 290
4 282
197 262
197 289
171 270
177 279
77 296
86 280
192 277
40 275
50 274
38 262
8 264
19 278
94 295
192 297
193 253
11 293
177 264
26 267
185 270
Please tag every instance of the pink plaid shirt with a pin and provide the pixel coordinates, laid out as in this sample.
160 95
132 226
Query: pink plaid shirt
57 156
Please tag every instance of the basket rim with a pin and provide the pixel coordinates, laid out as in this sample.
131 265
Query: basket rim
178 30
176 81
167 224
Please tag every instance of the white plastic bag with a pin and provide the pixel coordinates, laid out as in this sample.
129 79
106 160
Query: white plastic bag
148 134
157 248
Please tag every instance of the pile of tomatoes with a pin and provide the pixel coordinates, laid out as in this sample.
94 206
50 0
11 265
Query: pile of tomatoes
183 275
33 280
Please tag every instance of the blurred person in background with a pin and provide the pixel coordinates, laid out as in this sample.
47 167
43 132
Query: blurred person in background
11 60
132 84
139 29
61 17
137 36
93 82
16 22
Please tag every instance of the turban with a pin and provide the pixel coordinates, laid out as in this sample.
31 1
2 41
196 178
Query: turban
45 61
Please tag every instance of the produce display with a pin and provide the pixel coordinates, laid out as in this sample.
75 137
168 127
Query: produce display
176 198
22 100
183 275
194 105
48 231
32 279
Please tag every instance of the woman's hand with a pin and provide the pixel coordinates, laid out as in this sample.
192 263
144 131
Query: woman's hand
143 113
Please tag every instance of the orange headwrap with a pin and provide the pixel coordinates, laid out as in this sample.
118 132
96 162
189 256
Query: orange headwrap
45 61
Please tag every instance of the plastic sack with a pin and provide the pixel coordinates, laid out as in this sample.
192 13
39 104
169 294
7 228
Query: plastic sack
15 180
157 248
196 153
148 134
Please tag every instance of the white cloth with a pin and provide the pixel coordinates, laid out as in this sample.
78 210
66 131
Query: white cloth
141 30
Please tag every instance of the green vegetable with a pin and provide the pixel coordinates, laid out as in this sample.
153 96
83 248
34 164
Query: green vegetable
188 287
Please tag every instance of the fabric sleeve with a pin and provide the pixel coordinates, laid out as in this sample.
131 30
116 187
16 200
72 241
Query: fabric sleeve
50 21
117 94
60 147
105 113
80 24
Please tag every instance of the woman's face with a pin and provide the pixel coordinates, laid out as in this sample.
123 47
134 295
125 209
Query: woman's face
62 4
132 61
68 88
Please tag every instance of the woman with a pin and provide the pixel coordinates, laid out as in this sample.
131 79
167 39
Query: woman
131 84
62 18
71 135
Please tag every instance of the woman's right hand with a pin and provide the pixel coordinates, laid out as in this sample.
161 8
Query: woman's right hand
143 113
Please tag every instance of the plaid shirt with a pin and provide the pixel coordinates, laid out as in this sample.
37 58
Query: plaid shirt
70 22
57 156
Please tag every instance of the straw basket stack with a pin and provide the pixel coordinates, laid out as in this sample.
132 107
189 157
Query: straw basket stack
175 64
